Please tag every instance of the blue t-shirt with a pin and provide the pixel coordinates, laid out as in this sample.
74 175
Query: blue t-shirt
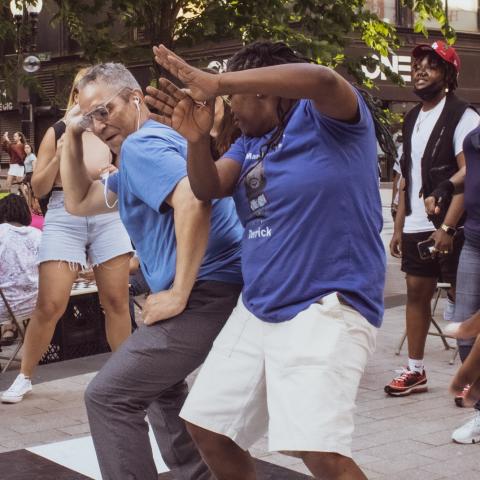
312 216
152 164
471 149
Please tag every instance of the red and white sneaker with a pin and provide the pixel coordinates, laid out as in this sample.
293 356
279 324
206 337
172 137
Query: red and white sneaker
406 383
459 398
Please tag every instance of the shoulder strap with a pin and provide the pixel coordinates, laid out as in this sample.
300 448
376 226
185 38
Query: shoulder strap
59 129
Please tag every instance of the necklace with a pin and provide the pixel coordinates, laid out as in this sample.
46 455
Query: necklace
421 118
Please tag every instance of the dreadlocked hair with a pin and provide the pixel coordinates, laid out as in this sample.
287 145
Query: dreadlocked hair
381 123
14 208
267 54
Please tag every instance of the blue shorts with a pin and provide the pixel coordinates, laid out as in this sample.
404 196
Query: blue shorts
85 241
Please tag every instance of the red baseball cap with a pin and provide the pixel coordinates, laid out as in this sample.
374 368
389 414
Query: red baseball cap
443 50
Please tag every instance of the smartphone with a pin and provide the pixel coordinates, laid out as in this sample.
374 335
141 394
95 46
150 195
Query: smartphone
426 249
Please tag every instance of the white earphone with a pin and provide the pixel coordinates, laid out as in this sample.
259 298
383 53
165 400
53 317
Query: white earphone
137 102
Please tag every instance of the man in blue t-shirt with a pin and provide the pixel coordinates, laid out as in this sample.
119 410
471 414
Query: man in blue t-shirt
190 256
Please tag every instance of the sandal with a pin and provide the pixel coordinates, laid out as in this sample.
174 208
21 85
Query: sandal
9 334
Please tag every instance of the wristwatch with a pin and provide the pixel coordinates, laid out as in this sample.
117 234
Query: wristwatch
448 230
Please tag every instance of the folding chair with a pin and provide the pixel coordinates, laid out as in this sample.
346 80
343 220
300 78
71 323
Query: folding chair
21 325
441 287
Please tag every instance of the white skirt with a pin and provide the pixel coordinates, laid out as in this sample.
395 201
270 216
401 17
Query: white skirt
16 170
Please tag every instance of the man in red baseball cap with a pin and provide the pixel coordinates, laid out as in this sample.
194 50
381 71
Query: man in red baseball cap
442 49
429 246
441 57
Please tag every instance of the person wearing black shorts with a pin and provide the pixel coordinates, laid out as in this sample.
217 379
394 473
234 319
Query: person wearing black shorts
433 134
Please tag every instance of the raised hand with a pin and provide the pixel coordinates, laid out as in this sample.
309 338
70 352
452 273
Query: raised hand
76 121
177 109
202 85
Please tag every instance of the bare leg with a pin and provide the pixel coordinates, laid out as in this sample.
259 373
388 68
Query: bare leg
112 282
332 466
224 457
55 283
420 291
8 185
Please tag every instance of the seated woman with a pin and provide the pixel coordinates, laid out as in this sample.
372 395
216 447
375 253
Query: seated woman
19 245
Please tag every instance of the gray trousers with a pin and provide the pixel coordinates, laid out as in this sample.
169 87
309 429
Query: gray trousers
148 373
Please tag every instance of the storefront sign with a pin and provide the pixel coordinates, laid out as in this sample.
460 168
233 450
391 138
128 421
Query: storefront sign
6 107
397 63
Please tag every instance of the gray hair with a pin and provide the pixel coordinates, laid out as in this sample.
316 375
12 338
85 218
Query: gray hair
115 74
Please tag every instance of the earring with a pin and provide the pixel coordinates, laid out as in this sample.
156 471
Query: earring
447 90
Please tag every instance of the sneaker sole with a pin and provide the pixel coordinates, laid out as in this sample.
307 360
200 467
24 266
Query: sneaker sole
14 399
465 442
404 393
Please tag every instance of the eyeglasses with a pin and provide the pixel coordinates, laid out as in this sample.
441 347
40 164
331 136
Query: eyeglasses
101 113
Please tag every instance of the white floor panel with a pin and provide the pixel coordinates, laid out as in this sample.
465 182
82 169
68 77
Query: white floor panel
78 455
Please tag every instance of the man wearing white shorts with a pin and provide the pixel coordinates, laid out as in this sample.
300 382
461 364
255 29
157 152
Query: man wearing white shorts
304 180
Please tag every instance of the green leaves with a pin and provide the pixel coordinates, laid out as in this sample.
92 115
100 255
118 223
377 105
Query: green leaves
321 29
124 30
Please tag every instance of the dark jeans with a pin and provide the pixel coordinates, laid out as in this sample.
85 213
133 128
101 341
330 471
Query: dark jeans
148 373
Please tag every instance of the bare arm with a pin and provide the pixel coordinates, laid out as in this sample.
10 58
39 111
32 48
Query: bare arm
210 179
331 93
6 142
47 164
458 179
83 196
192 227
396 242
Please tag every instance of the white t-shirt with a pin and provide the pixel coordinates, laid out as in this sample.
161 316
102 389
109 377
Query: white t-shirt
18 269
418 221
396 164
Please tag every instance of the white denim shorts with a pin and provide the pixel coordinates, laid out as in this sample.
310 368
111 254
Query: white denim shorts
85 241
16 170
297 379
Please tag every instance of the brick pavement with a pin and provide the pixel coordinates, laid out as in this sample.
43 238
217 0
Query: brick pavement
395 438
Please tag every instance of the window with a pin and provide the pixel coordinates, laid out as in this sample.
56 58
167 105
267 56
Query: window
462 15
385 9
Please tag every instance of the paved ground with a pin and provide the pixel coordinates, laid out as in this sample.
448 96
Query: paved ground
396 438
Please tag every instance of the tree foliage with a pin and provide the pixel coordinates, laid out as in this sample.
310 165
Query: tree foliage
320 29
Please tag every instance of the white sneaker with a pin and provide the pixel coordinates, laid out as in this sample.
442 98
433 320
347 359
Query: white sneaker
469 432
449 310
19 388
